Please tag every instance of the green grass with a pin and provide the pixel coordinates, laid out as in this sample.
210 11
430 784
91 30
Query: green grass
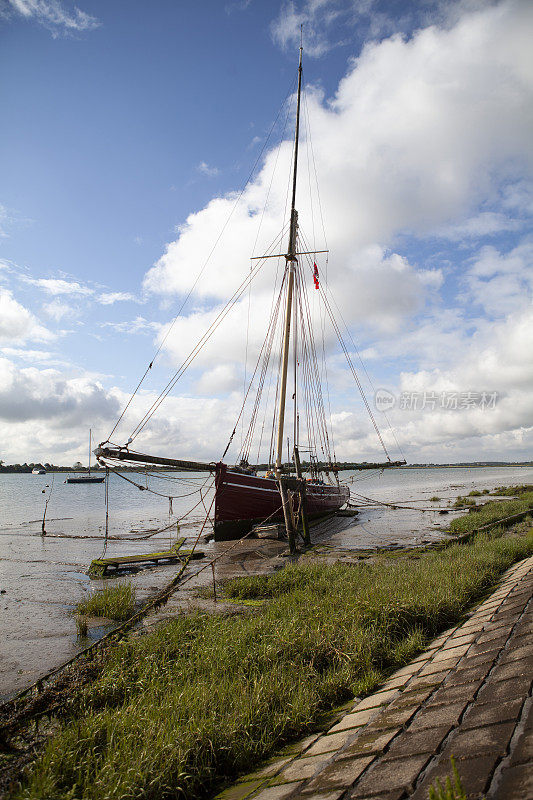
117 602
434 499
492 512
461 502
506 491
449 791
204 698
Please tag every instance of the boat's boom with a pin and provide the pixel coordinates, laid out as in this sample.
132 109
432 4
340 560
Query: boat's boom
122 454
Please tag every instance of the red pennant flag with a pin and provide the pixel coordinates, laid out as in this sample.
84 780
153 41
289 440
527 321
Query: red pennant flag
315 275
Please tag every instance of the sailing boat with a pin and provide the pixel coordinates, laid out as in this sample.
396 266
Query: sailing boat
244 499
87 478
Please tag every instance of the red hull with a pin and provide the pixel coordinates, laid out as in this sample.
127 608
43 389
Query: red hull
242 501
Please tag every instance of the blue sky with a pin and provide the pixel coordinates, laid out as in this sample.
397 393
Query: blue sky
128 129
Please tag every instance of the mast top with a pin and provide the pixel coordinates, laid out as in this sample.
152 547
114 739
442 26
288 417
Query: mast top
291 253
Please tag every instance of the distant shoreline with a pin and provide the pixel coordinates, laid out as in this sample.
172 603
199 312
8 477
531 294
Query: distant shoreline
25 469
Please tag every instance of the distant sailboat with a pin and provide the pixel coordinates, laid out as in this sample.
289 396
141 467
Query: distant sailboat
38 470
87 478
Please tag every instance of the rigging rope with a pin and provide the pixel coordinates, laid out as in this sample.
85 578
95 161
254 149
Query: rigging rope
226 223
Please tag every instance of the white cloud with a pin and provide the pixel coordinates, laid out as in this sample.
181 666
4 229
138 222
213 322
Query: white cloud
486 223
108 298
53 15
17 324
58 310
137 325
328 24
59 286
417 134
421 137
206 170
45 414
317 18
502 283
35 356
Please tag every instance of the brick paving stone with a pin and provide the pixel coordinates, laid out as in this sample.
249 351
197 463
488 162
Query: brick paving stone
239 791
515 606
491 713
395 794
296 747
490 649
475 774
414 697
459 638
375 700
490 738
268 770
369 742
516 654
496 625
434 716
427 740
454 694
388 775
354 720
462 676
408 670
440 666
493 636
392 718
429 681
277 792
339 774
522 629
330 743
470 661
302 768
336 794
395 683
512 669
516 783
507 617
451 652
523 747
504 690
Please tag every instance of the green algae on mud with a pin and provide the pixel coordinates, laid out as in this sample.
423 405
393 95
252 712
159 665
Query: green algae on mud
176 712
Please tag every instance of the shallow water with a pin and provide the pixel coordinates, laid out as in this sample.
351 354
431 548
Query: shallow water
42 578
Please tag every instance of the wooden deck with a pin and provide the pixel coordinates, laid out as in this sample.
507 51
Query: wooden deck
100 566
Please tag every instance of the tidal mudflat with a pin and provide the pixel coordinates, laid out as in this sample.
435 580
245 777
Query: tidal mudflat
43 578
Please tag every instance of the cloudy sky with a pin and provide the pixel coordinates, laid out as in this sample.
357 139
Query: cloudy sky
128 139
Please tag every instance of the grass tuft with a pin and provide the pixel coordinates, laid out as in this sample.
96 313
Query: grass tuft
434 499
203 698
81 625
117 602
449 791
508 491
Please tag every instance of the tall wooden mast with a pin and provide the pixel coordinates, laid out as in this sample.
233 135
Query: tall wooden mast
291 268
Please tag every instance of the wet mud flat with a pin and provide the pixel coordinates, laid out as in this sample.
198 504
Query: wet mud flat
44 578
38 621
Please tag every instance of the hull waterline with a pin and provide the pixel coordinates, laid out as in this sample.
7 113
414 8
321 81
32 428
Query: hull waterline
244 501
